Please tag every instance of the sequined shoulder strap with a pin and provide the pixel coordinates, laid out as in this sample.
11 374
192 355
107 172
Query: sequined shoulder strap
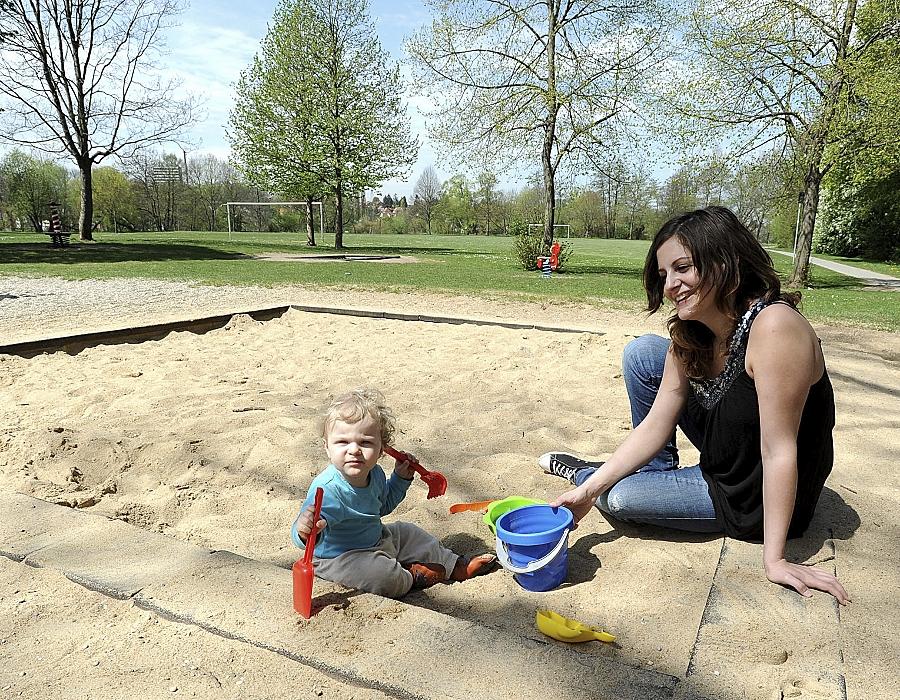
710 391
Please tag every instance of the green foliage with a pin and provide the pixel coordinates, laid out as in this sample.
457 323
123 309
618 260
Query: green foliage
29 185
287 221
454 212
861 195
398 224
862 220
114 200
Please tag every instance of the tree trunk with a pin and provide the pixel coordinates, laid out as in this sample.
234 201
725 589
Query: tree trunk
812 181
549 187
339 216
86 217
550 132
310 232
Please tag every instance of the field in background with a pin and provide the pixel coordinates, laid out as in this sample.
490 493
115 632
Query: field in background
600 271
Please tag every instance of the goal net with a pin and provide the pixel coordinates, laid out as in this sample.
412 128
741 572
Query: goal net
254 216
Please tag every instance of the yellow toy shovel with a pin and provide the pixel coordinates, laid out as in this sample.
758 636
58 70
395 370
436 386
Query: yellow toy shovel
567 630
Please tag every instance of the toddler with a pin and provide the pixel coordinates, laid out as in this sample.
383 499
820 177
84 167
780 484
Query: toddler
353 547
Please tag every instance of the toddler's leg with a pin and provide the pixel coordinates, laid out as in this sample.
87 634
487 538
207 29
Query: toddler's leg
414 545
375 570
427 557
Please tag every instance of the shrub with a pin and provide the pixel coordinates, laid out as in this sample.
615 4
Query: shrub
529 245
287 221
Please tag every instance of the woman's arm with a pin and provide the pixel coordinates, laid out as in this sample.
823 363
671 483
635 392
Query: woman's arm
641 445
784 361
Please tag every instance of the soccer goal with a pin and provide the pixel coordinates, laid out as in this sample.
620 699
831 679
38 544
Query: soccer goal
555 226
229 205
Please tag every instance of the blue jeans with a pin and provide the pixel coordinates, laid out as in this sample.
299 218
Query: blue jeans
659 493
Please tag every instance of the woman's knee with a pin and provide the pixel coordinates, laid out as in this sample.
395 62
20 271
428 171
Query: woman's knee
645 355
615 502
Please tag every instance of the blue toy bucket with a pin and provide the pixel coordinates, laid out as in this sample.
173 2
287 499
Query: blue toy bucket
532 543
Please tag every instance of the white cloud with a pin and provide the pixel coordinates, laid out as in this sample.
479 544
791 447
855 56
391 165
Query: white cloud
208 61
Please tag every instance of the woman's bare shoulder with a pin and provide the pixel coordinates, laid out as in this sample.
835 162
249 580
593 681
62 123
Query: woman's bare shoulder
776 319
778 332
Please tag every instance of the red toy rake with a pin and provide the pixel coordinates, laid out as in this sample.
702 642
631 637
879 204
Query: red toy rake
437 484
303 568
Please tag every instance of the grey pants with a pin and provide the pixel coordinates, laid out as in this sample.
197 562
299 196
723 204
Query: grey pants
379 569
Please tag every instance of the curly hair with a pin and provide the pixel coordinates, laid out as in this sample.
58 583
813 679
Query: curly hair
731 263
354 405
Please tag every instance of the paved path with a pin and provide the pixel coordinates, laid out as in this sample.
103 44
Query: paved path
870 278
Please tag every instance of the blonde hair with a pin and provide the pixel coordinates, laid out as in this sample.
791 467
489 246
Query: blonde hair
354 405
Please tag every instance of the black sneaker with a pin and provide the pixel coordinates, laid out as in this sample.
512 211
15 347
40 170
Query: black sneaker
565 465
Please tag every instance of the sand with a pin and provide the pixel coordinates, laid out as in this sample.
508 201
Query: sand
213 439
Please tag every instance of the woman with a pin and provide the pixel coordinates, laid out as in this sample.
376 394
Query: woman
745 379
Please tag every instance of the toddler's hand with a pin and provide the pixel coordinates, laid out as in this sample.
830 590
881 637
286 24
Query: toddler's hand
403 468
305 523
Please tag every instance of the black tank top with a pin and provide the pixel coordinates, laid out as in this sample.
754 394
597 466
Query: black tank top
731 457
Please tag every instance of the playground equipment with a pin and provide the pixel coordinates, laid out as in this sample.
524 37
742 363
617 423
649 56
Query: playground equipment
549 263
58 237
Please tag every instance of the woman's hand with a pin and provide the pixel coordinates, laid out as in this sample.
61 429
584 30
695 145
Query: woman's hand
403 468
804 578
579 500
305 523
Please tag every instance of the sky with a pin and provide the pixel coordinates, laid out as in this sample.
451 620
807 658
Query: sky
216 40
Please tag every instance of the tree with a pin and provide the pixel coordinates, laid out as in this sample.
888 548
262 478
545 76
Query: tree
320 106
536 78
861 199
455 210
31 185
583 212
5 6
273 127
486 197
113 198
427 192
159 185
210 177
778 71
77 78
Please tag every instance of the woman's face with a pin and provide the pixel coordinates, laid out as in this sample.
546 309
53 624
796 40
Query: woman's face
681 281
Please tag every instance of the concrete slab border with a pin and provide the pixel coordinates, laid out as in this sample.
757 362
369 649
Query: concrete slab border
244 600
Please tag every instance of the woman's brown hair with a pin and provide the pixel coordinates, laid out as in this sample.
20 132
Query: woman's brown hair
730 263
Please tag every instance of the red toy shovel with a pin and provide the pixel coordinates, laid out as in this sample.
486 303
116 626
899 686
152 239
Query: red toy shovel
303 568
437 484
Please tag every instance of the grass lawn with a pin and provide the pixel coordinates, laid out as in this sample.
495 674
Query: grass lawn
600 272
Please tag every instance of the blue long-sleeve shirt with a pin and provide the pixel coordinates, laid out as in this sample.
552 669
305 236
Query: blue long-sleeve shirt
353 515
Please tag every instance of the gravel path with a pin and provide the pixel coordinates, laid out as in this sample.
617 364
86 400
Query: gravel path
35 308
40 307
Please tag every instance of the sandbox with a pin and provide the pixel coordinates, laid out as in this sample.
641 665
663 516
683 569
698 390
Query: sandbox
212 439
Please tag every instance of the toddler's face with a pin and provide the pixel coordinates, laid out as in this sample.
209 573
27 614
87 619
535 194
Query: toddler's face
354 448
